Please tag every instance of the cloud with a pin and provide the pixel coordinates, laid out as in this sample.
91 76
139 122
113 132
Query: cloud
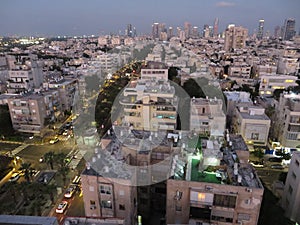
225 4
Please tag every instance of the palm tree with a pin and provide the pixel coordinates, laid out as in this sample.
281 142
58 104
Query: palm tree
63 167
49 159
28 171
49 189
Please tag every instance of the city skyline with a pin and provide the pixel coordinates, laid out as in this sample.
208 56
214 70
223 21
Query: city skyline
97 17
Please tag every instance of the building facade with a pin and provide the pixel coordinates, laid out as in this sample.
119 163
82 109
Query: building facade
235 38
291 193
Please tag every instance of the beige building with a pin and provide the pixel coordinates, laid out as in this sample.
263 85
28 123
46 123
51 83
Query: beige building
150 103
25 73
235 37
288 66
207 116
291 193
30 113
269 83
252 123
287 124
215 193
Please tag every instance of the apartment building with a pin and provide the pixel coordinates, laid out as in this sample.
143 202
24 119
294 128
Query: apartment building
150 103
207 116
31 112
265 69
291 194
67 89
108 191
235 38
269 83
288 66
242 70
226 190
287 123
25 73
252 123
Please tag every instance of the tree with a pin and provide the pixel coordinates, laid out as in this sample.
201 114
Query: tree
49 159
63 167
28 171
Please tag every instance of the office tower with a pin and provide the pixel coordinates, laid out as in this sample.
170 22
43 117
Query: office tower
289 29
187 29
235 37
170 32
260 32
205 31
216 27
155 30
129 31
178 29
277 32
291 193
195 33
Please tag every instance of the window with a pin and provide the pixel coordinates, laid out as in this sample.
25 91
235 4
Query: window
178 208
104 189
224 200
121 206
255 136
121 192
243 216
92 204
91 188
106 204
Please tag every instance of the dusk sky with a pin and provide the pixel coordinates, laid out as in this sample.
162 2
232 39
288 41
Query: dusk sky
78 17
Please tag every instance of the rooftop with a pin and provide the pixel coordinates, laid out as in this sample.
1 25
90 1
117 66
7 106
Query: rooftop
93 221
34 220
154 65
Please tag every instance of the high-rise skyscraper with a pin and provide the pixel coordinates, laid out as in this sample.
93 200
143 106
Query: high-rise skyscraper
216 27
235 37
289 29
170 32
187 29
129 31
277 32
155 30
260 32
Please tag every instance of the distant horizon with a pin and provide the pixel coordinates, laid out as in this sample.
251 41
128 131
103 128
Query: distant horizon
96 17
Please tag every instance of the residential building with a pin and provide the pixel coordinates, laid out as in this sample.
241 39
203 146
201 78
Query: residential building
93 221
31 112
235 38
291 194
207 117
150 103
239 70
25 73
108 193
223 190
269 83
265 69
287 123
216 27
252 123
288 65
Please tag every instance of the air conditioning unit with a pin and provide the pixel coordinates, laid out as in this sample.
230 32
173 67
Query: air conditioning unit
248 189
92 207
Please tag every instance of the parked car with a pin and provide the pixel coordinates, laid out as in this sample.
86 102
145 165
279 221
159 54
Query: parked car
54 140
61 208
14 177
256 164
277 166
274 159
70 192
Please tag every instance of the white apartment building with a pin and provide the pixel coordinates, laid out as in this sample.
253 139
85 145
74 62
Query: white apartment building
252 123
291 194
235 37
24 74
242 70
288 66
207 116
150 103
266 69
287 124
269 83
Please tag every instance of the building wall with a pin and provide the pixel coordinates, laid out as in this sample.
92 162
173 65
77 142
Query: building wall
99 191
182 208
291 193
